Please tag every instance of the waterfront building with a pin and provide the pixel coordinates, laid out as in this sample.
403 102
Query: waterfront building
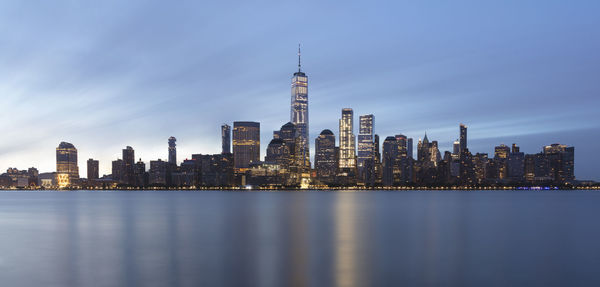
67 170
389 159
128 175
365 150
501 154
117 170
401 140
93 169
246 144
456 149
140 174
561 160
428 153
172 151
215 170
225 138
299 112
158 173
347 158
409 147
516 164
278 152
463 137
325 157
480 164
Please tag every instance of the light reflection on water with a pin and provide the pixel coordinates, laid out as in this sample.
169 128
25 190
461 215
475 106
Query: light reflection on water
299 239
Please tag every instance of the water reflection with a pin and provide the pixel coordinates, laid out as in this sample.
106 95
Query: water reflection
299 239
346 246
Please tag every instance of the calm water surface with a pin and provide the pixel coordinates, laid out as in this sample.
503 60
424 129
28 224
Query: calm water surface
300 239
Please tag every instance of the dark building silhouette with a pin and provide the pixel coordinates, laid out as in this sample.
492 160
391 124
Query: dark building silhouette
117 170
93 169
215 169
561 161
128 175
140 174
389 158
516 164
325 157
157 174
225 138
246 144
409 147
463 138
278 152
172 151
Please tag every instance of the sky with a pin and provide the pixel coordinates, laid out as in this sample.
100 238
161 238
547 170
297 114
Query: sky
104 75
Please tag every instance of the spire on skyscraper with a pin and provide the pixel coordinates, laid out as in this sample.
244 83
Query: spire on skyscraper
298 57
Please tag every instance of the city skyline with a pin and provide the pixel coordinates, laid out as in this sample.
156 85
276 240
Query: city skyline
535 93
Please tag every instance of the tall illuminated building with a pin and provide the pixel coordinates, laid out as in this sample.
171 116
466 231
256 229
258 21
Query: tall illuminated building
246 144
172 151
501 154
401 141
128 175
456 149
325 157
365 141
225 138
299 111
463 138
561 160
93 169
347 140
67 171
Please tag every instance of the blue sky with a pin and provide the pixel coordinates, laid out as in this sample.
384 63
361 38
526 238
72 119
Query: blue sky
107 74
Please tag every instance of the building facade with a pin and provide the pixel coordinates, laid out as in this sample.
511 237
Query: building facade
365 142
299 112
225 138
347 140
246 144
67 170
93 169
325 157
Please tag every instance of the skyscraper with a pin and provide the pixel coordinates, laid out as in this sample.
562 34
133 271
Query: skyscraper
325 157
463 138
67 171
278 152
225 138
92 169
127 176
561 161
347 140
172 151
246 144
365 141
117 170
428 153
409 147
401 141
389 159
299 111
456 149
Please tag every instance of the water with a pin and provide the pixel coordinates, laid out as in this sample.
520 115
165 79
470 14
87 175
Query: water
300 238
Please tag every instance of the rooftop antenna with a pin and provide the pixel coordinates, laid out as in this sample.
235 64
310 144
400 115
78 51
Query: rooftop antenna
298 57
